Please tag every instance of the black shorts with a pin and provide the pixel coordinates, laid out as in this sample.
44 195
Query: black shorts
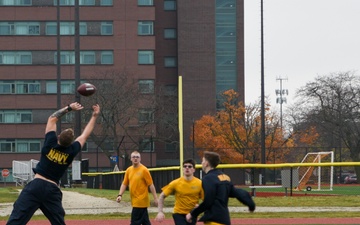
140 216
180 219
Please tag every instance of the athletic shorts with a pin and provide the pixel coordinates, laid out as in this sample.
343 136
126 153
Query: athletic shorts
140 216
180 219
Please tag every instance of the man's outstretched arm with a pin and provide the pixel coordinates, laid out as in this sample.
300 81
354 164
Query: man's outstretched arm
54 118
244 197
90 126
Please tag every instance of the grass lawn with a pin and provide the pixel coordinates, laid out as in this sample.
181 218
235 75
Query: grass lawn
9 194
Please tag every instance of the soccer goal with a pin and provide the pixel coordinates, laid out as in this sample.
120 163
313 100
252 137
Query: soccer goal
317 176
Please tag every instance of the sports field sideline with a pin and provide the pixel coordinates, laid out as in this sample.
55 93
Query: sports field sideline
292 221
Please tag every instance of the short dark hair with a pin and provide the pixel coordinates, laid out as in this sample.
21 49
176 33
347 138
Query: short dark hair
66 137
213 158
191 161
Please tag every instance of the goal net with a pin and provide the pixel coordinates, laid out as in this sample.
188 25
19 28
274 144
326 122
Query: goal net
316 177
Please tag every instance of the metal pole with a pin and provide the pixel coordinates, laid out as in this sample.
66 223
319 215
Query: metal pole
58 63
262 99
77 129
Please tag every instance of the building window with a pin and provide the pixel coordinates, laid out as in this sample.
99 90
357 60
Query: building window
19 28
107 28
6 146
20 145
19 87
170 61
65 2
106 2
169 5
65 57
171 90
67 87
86 2
226 48
170 33
27 88
66 28
107 57
146 86
145 28
15 116
7 88
87 57
68 118
72 2
15 2
68 57
8 58
145 2
145 57
146 115
171 147
147 145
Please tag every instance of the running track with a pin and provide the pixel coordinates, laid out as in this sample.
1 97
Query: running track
234 221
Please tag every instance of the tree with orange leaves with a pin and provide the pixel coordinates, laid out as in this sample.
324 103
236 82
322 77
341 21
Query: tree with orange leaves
234 132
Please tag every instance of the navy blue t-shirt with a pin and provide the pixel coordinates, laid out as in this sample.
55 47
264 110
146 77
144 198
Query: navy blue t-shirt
55 159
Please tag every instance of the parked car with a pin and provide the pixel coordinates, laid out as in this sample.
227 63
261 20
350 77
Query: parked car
350 179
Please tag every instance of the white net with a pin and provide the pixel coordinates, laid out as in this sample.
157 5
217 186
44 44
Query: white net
317 177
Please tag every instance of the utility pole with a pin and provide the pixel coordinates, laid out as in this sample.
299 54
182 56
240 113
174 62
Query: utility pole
77 129
58 64
281 99
263 172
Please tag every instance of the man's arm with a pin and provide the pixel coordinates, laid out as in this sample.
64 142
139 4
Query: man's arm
53 119
121 192
161 216
244 197
153 191
90 126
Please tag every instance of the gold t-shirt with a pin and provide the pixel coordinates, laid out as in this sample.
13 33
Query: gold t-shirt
187 193
138 179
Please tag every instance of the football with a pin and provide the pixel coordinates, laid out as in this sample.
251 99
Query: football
86 89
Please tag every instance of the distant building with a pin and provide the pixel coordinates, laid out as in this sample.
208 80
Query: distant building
156 40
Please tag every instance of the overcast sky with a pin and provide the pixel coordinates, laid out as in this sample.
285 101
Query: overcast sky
302 39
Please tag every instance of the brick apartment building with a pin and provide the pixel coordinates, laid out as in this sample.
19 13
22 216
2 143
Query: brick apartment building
156 40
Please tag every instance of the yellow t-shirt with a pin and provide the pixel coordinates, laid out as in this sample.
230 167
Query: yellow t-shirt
138 179
187 193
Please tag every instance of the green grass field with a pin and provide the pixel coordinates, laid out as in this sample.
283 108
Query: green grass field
347 199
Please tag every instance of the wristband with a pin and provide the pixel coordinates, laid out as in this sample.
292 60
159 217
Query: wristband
69 108
119 195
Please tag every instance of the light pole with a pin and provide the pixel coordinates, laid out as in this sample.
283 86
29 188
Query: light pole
58 63
77 71
262 176
281 99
